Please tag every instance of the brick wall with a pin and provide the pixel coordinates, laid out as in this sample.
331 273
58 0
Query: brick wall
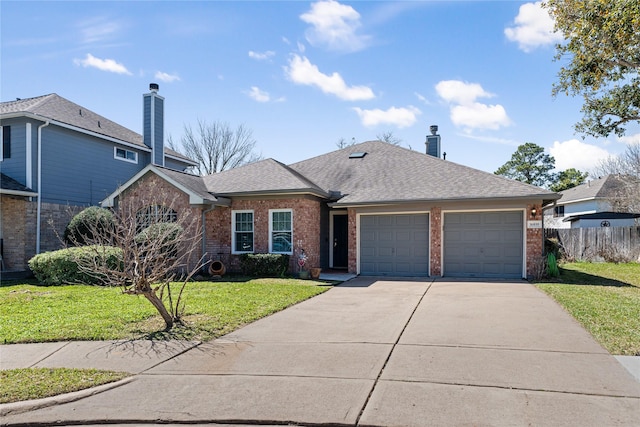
435 235
19 245
353 241
54 219
306 229
153 190
535 241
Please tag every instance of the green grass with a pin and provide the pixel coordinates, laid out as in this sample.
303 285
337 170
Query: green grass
36 383
33 313
605 299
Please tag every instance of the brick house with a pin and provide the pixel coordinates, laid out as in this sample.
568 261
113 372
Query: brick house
371 209
58 157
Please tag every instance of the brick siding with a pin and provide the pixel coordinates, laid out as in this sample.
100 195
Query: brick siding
435 236
306 229
535 241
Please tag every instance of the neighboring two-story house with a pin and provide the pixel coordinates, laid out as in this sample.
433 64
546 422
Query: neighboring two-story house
58 157
589 205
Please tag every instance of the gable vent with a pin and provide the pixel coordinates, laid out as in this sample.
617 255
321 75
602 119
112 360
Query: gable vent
357 155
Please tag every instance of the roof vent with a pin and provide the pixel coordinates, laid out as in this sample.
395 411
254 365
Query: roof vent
357 155
153 87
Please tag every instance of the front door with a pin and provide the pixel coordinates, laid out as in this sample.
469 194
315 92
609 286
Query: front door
340 241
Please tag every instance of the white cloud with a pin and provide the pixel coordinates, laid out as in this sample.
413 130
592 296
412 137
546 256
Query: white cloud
533 27
464 109
258 95
479 116
334 26
422 98
631 139
400 117
577 154
98 29
302 71
261 56
167 78
458 92
109 65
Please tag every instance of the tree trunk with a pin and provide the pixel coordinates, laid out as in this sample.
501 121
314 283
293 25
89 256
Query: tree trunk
159 305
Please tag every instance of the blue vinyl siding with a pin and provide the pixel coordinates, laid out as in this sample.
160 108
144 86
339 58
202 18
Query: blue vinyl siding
158 125
80 169
15 167
175 164
158 129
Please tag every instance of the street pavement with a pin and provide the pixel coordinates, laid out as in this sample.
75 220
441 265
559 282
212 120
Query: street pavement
370 352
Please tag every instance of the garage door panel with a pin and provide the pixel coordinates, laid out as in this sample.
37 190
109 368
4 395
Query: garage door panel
483 244
398 244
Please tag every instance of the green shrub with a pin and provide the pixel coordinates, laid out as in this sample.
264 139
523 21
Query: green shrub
264 265
61 267
166 232
80 230
552 266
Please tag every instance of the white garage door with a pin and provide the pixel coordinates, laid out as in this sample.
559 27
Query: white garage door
483 244
394 245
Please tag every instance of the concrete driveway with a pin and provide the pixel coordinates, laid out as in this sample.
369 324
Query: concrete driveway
381 352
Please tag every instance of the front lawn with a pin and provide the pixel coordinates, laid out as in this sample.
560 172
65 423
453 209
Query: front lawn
605 299
36 383
33 313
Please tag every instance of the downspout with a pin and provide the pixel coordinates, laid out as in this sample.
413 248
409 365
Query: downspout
39 209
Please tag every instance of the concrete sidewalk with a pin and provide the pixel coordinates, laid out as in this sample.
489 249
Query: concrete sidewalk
368 352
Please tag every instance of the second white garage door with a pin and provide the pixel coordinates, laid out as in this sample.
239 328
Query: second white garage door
394 245
483 244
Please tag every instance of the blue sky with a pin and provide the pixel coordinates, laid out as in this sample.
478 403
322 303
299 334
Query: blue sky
302 75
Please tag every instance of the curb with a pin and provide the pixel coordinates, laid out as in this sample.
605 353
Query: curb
14 408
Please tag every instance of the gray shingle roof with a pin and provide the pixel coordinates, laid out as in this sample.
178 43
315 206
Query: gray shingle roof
193 182
8 183
55 107
388 173
592 189
265 176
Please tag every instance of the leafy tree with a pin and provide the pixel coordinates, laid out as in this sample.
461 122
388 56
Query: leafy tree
603 49
217 147
529 164
568 179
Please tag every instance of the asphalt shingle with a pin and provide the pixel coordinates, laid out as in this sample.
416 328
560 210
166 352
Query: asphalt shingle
389 173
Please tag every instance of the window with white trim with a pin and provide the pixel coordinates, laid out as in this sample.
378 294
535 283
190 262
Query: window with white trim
125 155
154 214
558 211
242 231
5 142
281 231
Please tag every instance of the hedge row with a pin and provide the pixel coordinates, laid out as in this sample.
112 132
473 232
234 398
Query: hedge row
61 267
264 265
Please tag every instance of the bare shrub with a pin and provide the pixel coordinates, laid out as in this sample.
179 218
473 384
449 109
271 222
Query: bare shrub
159 244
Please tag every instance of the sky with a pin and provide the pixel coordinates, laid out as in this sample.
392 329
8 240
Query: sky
304 75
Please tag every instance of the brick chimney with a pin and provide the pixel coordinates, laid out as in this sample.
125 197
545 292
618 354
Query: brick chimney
153 124
433 142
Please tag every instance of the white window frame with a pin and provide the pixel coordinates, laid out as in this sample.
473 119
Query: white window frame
271 212
126 155
234 231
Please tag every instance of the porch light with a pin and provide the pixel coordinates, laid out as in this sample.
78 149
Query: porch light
533 212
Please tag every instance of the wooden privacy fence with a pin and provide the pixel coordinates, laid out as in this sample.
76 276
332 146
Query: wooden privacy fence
611 244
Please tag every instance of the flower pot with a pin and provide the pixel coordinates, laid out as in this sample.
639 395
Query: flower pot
315 272
304 274
217 268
